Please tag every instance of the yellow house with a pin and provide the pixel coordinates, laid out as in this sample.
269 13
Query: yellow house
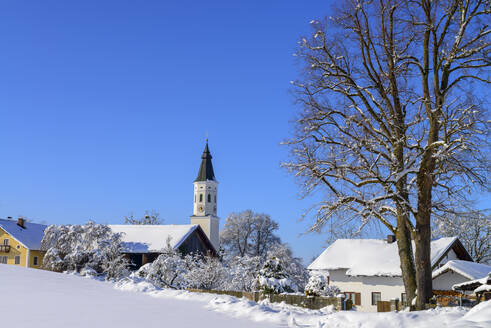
20 243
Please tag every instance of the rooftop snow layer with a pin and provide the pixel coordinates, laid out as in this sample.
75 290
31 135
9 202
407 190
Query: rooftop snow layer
470 270
30 236
370 257
152 238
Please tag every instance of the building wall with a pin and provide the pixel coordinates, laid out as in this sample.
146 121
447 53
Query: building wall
17 249
446 280
450 256
210 226
388 287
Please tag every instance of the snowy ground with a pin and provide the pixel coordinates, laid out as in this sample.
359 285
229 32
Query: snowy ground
34 298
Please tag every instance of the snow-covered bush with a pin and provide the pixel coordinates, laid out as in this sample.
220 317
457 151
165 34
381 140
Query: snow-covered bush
291 266
84 248
273 279
207 273
318 286
167 271
243 272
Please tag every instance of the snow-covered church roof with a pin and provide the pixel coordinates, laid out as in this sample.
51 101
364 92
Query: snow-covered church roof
152 238
30 235
371 257
470 270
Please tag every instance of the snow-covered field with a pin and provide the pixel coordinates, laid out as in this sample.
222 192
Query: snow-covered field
35 298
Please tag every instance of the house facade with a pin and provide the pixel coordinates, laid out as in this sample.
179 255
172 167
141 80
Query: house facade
20 243
368 270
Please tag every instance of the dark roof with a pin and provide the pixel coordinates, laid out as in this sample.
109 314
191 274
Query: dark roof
206 168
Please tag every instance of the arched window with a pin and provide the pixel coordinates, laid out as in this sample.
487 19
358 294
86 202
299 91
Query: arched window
200 198
195 198
209 198
215 198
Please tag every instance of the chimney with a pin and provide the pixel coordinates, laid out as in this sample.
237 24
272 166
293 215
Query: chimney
391 239
20 223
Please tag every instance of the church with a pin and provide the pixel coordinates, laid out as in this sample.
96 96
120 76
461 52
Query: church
144 243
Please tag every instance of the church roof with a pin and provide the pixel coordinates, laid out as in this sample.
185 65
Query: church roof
152 238
206 168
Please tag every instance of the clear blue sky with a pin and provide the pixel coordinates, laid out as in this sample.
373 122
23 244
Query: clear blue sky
104 107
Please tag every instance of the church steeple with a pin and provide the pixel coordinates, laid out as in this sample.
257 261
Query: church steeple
206 168
205 199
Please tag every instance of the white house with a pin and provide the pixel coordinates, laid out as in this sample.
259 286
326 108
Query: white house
456 272
368 270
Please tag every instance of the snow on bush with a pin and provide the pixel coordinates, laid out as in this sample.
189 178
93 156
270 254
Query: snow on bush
291 266
206 273
243 272
273 279
167 271
318 286
90 248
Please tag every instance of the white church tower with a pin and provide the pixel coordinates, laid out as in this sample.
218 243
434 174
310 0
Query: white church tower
205 199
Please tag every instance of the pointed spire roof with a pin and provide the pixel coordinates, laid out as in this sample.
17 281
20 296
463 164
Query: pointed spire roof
206 168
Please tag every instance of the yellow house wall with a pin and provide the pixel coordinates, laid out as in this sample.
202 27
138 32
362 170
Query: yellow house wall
17 249
39 255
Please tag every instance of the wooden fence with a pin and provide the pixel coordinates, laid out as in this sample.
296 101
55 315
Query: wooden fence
309 302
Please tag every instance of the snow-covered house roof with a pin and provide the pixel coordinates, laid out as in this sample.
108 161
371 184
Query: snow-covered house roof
30 235
474 284
470 270
372 257
152 238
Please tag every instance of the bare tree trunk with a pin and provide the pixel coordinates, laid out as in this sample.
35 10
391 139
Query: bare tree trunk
403 236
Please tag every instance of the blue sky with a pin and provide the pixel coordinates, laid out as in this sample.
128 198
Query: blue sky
105 105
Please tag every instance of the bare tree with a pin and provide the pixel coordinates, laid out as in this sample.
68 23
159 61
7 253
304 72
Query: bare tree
473 229
249 233
391 118
150 217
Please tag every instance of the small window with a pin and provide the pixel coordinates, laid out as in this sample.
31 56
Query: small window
209 198
18 247
35 260
200 198
17 260
5 241
3 259
376 296
215 198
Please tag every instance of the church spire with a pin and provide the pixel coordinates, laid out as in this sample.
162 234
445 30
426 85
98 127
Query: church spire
206 168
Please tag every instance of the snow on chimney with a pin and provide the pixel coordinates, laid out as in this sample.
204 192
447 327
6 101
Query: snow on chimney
20 223
391 239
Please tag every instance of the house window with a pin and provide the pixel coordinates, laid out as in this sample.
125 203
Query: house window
403 299
35 260
5 241
3 259
17 260
354 297
209 198
200 198
376 296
